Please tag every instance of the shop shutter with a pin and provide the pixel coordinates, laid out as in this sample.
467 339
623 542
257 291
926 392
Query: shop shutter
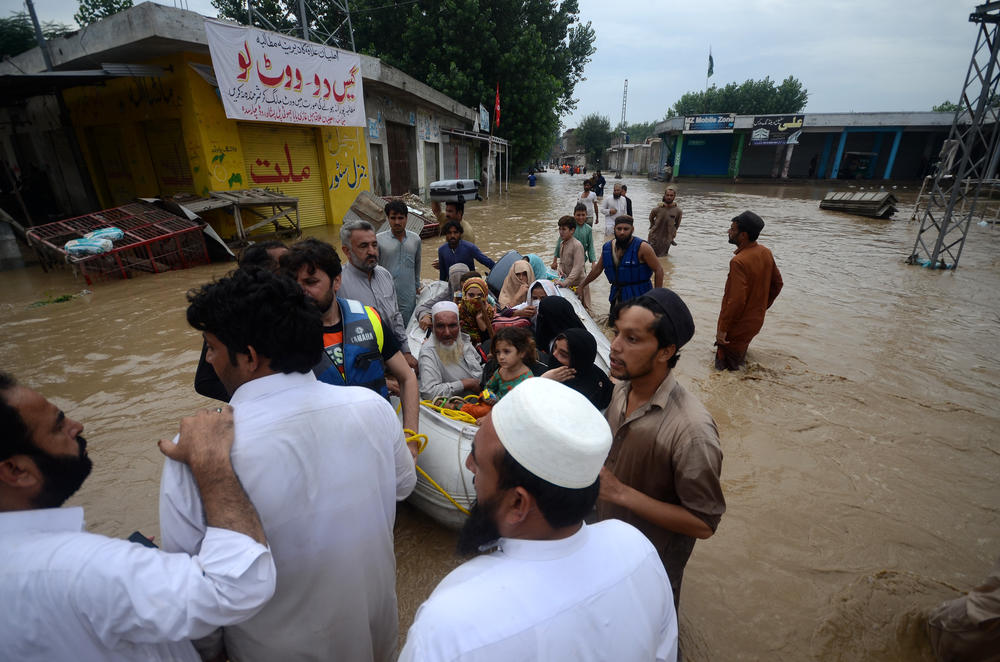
284 158
166 150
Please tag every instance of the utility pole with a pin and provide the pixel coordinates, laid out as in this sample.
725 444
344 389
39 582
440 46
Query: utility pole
621 157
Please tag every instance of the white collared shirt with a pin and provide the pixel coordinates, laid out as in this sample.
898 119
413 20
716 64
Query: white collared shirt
324 465
600 594
72 595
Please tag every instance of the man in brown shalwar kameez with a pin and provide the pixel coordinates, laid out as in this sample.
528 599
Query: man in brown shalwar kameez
753 284
663 223
662 473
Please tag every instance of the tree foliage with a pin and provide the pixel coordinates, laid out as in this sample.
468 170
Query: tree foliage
637 133
946 107
751 97
535 49
594 136
95 10
18 35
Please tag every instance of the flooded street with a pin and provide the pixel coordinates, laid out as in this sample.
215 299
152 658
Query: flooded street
862 443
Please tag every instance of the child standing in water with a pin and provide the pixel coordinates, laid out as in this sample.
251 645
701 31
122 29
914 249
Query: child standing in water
515 351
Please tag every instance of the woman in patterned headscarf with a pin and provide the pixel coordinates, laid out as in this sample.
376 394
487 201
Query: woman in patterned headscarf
475 314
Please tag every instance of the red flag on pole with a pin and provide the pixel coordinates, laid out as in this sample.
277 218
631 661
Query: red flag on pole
496 107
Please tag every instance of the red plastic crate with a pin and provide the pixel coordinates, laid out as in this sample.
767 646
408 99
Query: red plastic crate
155 240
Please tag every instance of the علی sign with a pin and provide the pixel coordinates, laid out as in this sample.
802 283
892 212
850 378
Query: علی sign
268 77
776 130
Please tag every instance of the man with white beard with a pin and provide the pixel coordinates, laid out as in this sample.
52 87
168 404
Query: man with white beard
449 363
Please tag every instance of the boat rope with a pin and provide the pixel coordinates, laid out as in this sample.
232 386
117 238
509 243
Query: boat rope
421 440
454 414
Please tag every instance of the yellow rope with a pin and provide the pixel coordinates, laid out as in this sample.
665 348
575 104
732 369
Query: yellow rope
453 414
422 444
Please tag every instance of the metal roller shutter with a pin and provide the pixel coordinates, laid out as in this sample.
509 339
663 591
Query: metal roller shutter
284 159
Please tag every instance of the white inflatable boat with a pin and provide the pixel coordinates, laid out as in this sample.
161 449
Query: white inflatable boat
449 441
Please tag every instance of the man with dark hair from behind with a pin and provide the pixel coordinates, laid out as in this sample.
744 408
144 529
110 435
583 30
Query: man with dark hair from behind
358 349
264 254
73 595
662 474
552 577
753 284
324 465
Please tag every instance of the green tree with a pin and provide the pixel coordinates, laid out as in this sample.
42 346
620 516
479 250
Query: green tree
535 49
95 10
946 107
637 133
594 136
752 97
17 34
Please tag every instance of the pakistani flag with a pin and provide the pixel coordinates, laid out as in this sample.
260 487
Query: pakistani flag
711 64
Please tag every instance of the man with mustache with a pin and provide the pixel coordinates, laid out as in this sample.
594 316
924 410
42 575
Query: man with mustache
358 350
73 595
628 262
365 281
536 459
662 473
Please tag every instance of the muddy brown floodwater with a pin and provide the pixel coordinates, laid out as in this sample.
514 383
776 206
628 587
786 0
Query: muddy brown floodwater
861 443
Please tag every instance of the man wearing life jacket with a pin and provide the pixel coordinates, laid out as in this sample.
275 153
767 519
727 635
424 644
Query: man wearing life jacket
628 262
358 349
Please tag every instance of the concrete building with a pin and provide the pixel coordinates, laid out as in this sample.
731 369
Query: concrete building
570 153
829 146
157 127
633 158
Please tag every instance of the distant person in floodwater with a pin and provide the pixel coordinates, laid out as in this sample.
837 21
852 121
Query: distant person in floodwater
629 263
599 183
612 208
589 199
753 284
628 200
532 179
664 221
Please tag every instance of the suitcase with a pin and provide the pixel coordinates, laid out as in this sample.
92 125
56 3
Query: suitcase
455 190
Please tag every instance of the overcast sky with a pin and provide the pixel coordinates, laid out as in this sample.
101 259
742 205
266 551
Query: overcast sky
851 55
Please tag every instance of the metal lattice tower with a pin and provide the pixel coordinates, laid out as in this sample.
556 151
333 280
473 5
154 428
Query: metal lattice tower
969 156
307 14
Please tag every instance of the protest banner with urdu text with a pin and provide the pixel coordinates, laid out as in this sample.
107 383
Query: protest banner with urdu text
268 77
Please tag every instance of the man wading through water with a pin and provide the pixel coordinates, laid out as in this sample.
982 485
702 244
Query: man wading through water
628 262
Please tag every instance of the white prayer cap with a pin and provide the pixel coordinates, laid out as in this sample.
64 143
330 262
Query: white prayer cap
553 432
444 307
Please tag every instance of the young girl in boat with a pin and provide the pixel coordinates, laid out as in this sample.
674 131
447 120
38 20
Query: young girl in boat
514 349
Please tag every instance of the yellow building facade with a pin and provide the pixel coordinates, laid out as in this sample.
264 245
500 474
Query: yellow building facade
147 137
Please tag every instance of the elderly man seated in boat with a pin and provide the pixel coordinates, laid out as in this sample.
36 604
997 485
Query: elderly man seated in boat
449 363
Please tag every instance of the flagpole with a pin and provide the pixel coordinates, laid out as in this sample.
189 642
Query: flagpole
489 158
